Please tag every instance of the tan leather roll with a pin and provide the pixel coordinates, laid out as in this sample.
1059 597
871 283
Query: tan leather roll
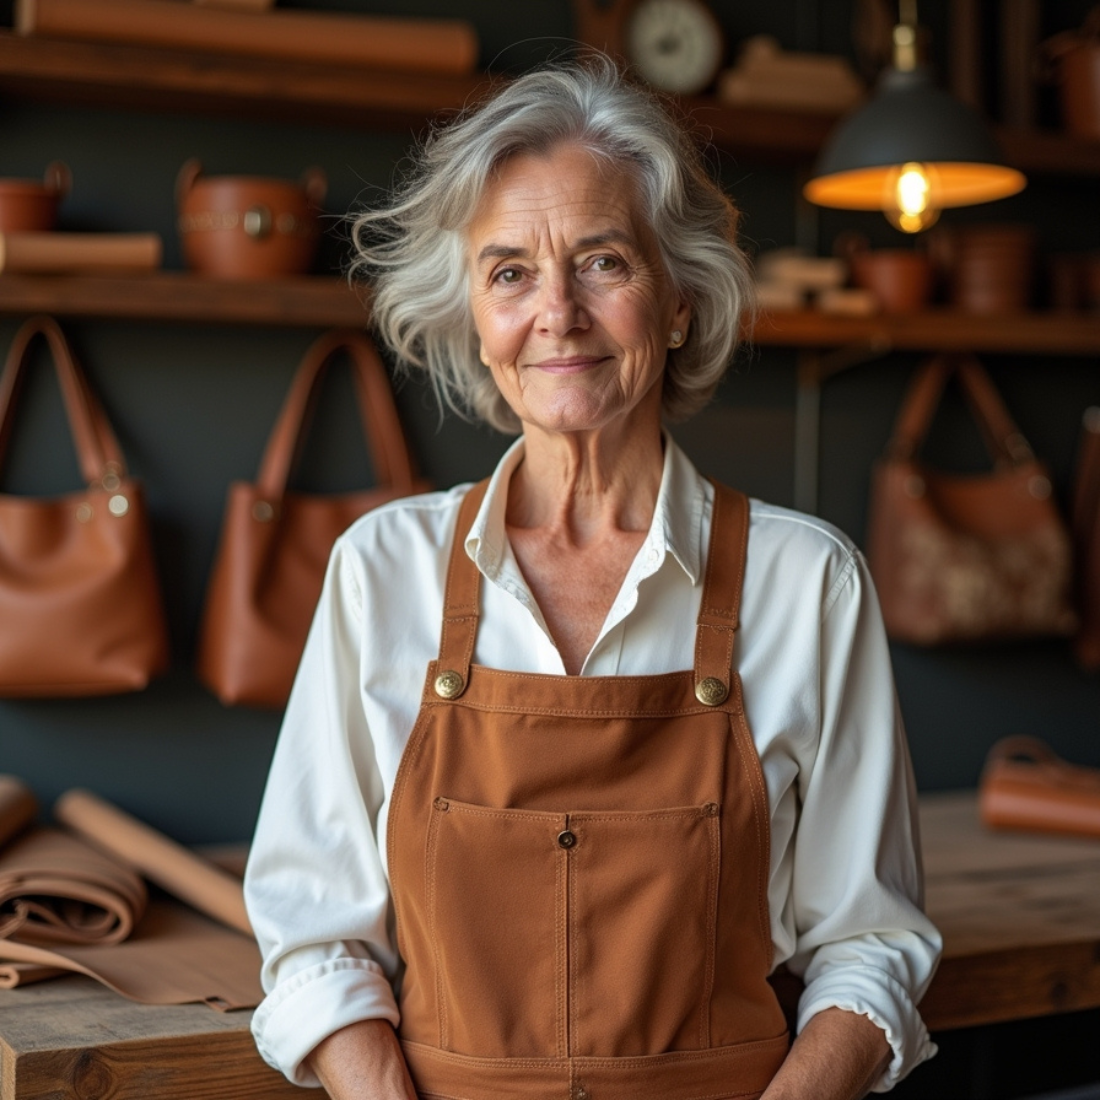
382 42
57 890
55 253
18 807
171 866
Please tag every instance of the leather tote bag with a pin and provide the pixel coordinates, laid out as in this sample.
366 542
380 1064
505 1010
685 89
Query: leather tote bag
1085 521
275 543
80 606
965 558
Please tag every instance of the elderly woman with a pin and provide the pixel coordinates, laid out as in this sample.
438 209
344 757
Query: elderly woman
656 751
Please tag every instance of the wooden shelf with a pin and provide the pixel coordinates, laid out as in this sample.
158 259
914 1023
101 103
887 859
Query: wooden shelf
324 301
935 330
308 300
131 77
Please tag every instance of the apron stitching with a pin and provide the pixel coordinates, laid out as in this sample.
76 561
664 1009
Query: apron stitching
715 829
430 877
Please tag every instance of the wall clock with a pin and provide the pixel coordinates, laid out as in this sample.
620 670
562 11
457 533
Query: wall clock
676 45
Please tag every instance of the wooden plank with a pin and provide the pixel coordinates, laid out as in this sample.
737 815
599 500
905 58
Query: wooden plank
935 330
1012 985
1019 914
73 1037
178 296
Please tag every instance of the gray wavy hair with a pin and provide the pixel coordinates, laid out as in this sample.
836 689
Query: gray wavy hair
413 248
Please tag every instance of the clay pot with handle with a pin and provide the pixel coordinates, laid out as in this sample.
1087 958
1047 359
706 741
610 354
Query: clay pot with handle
899 278
249 227
27 206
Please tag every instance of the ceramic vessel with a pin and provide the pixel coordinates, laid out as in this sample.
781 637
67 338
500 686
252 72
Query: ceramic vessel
27 206
248 227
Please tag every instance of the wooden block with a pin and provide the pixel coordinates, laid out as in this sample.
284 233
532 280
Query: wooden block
73 1038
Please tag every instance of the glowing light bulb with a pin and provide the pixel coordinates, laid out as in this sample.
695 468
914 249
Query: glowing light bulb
910 200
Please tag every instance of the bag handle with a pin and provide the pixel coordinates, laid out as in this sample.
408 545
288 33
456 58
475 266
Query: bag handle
97 449
1005 442
381 425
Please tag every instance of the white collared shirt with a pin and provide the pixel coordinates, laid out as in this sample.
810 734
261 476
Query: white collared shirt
845 885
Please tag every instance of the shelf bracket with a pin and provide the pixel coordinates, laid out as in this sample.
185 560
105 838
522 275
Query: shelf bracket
814 367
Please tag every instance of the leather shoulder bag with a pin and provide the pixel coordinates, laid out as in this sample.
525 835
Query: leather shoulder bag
966 558
80 606
275 543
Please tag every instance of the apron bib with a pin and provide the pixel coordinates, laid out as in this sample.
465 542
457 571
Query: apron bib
579 867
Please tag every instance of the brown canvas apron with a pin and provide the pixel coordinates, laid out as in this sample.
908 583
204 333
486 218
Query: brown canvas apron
580 866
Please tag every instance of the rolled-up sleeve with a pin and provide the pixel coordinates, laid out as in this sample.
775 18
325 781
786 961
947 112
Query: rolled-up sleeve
315 885
863 941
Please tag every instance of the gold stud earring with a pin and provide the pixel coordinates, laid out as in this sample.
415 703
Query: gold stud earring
676 339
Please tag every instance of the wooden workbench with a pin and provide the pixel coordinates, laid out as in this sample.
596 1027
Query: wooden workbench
1020 916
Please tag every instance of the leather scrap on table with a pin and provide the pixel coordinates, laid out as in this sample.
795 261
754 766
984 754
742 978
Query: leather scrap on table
79 903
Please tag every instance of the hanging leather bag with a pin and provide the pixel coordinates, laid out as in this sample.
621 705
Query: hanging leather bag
965 558
275 543
1085 521
80 607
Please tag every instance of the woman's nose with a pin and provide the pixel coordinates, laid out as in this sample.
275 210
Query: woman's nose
560 309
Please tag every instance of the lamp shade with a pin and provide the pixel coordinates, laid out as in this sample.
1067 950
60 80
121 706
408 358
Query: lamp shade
911 120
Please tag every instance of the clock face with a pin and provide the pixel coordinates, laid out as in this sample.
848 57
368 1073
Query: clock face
676 45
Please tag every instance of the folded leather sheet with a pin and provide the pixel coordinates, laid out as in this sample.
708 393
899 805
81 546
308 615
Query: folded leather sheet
56 890
78 904
18 807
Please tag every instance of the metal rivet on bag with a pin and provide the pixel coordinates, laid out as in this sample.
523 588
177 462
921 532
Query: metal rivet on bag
567 839
914 486
84 512
118 505
711 691
263 511
1039 487
449 684
257 221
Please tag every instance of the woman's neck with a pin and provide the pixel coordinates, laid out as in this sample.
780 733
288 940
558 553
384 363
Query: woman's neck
584 483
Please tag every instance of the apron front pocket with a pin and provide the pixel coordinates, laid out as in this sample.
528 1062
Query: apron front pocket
496 901
643 902
572 934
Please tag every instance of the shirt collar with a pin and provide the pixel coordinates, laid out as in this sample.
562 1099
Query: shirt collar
676 529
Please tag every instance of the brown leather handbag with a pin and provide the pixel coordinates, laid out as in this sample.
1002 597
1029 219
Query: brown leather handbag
963 558
80 606
1085 523
1025 785
275 543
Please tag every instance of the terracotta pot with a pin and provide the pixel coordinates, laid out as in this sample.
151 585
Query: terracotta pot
27 206
988 268
900 279
1079 83
248 227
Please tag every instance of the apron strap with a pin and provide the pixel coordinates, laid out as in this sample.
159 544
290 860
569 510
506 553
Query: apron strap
719 613
460 603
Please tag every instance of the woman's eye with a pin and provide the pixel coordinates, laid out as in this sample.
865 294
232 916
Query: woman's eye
605 263
509 276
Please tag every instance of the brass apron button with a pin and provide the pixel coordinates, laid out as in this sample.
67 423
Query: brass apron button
449 685
567 839
711 692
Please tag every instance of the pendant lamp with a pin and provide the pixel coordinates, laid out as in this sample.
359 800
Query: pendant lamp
912 150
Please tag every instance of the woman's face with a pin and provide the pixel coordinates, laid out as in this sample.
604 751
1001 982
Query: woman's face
572 305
